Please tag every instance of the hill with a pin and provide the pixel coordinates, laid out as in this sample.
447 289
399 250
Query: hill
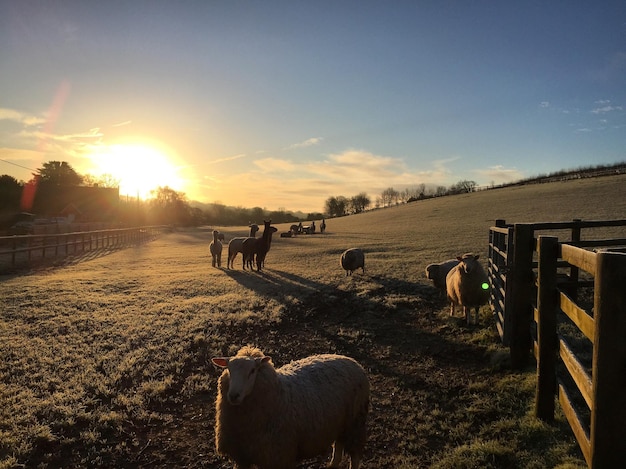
106 360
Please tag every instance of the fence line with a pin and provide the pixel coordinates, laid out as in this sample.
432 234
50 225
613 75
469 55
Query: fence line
591 395
25 250
512 278
603 388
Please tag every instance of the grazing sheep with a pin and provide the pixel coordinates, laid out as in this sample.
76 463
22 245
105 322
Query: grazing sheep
236 244
438 272
257 248
216 250
273 418
352 259
465 285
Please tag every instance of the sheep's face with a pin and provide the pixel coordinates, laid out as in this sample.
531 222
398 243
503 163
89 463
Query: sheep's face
468 263
243 372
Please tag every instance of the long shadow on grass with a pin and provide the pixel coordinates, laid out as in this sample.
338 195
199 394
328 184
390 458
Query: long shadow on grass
380 321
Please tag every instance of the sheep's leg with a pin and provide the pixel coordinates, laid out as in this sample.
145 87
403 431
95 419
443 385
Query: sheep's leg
468 314
337 455
452 308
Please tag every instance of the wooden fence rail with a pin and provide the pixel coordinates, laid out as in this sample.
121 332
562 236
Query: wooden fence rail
535 287
512 276
603 389
25 250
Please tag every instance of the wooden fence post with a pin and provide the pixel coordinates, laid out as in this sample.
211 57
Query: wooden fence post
547 343
608 416
521 291
573 271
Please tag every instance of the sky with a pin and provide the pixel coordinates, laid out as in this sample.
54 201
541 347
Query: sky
283 104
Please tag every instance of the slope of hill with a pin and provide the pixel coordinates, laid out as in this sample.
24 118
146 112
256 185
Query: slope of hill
105 361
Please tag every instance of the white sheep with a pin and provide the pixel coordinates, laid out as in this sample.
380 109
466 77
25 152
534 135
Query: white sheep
467 285
216 249
352 259
236 245
273 418
438 272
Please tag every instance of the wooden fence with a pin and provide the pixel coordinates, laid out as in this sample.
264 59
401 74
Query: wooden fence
600 427
22 251
512 273
535 302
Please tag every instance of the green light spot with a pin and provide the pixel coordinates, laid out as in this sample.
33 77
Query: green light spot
485 286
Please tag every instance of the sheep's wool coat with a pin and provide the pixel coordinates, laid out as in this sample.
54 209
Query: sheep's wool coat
293 413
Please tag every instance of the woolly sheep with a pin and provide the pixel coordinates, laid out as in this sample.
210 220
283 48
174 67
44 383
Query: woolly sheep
438 272
273 418
464 285
236 244
216 250
352 259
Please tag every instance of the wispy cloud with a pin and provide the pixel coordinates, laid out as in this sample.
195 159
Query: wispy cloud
227 158
121 124
21 117
272 165
607 108
499 174
307 143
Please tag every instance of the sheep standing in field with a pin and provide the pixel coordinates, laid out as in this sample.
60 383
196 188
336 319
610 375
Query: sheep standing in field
438 273
352 259
467 286
236 244
216 250
257 248
273 418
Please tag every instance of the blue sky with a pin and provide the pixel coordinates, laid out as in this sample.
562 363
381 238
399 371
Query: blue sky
282 104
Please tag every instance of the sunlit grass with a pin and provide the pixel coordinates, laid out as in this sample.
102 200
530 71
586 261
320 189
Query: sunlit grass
106 362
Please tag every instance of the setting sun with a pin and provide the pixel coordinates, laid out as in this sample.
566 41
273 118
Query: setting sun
139 168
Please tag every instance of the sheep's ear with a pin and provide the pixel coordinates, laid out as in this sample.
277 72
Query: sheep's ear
222 362
459 258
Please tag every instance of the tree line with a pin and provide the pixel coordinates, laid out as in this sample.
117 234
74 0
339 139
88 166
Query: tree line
166 206
338 206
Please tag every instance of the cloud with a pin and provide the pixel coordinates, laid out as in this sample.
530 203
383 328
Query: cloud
269 165
605 109
307 143
544 104
498 174
120 124
21 117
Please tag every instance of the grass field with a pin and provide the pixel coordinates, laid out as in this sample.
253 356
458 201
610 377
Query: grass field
105 362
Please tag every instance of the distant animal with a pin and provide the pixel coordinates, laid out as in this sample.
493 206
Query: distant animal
236 244
216 250
467 285
323 226
257 248
352 259
438 272
272 418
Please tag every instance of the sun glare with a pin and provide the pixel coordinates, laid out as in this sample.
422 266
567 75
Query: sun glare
139 168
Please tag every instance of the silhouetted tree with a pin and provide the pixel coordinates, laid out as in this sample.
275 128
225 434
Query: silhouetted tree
336 206
170 207
59 174
10 193
360 202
